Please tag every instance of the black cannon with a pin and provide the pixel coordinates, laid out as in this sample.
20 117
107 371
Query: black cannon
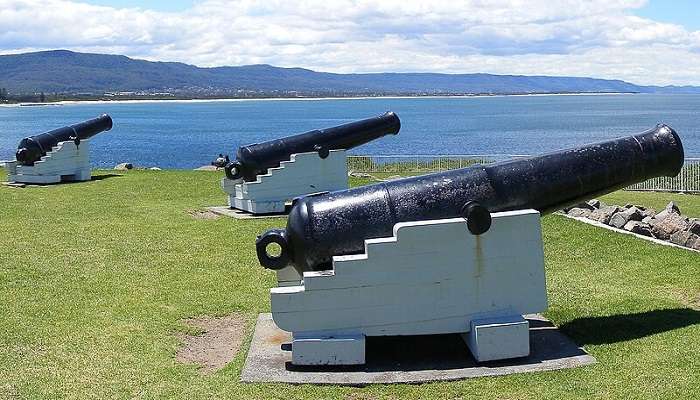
31 149
337 223
255 159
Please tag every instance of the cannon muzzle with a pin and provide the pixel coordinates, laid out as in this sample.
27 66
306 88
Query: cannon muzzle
31 149
255 159
337 223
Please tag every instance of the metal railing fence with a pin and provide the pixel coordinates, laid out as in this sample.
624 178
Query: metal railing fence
687 181
416 164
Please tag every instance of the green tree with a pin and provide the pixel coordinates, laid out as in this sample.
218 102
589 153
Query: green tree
3 94
42 97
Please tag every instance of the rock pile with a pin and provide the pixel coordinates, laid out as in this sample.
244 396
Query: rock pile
127 166
669 224
123 166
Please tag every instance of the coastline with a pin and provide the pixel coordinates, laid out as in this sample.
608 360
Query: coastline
180 101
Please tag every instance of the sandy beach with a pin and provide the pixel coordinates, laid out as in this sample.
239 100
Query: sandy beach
144 101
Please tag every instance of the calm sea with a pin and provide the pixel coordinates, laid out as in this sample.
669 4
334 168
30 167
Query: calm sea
191 134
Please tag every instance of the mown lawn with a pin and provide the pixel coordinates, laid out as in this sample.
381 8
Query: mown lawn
689 204
95 279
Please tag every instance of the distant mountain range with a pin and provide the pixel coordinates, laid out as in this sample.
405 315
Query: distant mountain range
67 72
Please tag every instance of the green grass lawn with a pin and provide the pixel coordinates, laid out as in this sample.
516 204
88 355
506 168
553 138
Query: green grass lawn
689 204
95 279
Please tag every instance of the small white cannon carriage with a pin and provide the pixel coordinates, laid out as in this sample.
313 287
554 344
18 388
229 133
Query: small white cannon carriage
60 155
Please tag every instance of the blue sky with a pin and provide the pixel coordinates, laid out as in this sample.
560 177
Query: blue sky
640 41
682 12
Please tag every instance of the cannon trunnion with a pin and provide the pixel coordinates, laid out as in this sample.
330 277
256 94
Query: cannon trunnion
338 223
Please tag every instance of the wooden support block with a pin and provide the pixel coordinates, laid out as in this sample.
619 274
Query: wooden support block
498 338
341 350
258 207
35 179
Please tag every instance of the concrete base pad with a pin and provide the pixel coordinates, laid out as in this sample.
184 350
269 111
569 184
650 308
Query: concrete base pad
407 359
240 214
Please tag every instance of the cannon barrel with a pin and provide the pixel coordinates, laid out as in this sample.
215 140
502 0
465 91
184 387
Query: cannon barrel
255 159
31 149
337 223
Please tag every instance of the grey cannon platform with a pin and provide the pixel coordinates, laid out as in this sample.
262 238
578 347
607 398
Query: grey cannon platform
240 214
407 359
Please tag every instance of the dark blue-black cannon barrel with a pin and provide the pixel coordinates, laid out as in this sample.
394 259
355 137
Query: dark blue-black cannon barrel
31 149
337 223
255 159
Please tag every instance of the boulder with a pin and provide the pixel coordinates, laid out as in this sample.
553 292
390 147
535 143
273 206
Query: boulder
603 214
124 166
647 212
647 219
679 238
619 219
589 205
694 226
638 227
673 207
579 212
671 217
667 223
696 244
155 169
579 206
684 238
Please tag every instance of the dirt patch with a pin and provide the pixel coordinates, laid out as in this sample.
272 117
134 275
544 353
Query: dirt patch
203 214
691 300
216 346
278 338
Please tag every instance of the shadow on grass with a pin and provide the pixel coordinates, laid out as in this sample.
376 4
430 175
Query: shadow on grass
104 176
93 178
624 327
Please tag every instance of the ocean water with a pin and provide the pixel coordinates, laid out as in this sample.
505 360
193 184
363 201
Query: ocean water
191 134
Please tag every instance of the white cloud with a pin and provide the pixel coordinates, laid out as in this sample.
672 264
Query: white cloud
599 38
